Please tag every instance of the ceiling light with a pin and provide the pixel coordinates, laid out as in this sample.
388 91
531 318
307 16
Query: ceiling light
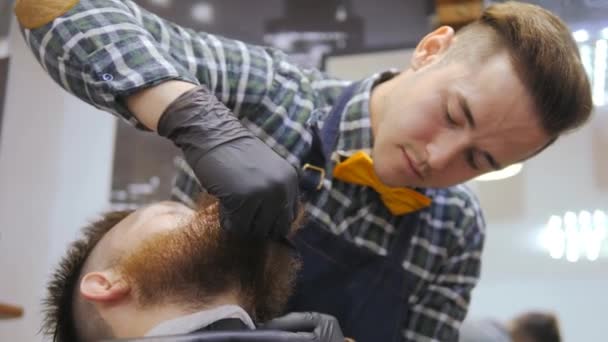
507 172
161 3
554 238
600 224
573 250
203 13
573 236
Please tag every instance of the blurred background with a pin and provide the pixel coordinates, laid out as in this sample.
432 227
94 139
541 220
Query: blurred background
60 165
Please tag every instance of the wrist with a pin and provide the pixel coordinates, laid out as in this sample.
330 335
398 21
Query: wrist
148 105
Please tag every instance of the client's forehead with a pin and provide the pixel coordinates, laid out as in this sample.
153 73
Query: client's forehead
144 222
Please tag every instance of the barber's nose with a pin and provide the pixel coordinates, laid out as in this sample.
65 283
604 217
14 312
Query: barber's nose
444 150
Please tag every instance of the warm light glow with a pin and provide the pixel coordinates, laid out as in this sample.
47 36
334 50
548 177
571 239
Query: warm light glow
581 36
507 172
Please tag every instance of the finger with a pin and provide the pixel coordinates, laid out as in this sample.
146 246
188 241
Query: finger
236 219
266 219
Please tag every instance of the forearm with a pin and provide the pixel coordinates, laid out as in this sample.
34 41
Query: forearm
248 177
150 103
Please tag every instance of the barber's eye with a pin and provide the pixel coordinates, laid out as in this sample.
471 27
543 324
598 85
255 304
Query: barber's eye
470 156
450 119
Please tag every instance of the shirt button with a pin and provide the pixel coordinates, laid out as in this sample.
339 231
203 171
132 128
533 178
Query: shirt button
107 77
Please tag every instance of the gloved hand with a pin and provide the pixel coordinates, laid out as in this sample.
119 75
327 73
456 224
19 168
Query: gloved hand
257 188
318 327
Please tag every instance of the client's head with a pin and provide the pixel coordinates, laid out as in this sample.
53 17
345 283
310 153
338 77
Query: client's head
133 270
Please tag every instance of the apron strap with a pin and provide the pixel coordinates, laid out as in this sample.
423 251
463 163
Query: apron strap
313 170
324 142
404 232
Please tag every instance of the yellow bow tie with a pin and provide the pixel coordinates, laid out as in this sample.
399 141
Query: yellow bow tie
359 169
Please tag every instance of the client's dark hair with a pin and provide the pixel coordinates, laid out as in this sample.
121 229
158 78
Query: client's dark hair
58 309
536 327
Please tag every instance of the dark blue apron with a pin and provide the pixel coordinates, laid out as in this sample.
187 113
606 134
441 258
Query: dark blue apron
367 292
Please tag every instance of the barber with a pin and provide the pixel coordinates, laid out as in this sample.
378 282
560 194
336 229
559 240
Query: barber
390 248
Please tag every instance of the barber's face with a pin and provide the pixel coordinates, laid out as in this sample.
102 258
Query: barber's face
445 122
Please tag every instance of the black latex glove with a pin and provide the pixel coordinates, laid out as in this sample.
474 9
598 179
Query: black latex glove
318 327
256 187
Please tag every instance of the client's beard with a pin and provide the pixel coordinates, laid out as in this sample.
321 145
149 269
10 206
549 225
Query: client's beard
194 265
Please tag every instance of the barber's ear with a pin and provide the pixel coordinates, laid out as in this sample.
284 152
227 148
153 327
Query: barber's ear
104 286
432 47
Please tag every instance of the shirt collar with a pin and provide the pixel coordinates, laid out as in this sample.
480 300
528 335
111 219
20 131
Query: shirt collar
192 322
355 127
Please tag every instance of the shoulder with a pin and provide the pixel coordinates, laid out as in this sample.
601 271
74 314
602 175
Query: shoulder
455 209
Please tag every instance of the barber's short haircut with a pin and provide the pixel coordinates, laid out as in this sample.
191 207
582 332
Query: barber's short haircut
536 327
59 320
544 55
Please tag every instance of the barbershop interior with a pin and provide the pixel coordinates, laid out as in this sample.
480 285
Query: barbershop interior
524 259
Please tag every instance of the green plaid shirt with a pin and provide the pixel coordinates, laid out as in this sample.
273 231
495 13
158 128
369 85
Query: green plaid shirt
103 50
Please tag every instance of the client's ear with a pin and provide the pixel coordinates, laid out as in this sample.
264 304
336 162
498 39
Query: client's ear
104 286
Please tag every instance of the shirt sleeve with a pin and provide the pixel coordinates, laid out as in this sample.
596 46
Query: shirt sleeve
100 51
104 50
440 308
255 82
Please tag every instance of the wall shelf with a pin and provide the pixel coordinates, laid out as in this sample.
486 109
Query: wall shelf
10 311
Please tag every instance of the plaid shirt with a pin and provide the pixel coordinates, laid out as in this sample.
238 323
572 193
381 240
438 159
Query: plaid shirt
103 50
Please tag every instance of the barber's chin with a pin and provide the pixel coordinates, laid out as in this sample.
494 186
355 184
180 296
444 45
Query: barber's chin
388 175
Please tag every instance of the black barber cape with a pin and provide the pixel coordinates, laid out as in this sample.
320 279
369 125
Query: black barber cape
226 330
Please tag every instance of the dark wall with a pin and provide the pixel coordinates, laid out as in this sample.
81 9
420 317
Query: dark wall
387 22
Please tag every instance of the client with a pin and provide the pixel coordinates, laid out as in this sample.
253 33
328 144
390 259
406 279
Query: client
166 269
